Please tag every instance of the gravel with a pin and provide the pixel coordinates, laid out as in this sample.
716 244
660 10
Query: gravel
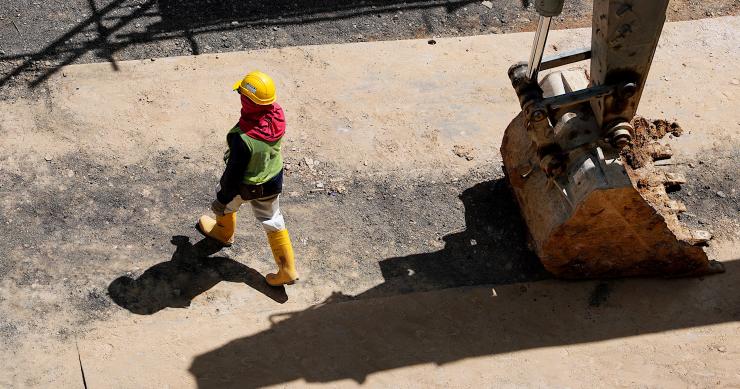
36 38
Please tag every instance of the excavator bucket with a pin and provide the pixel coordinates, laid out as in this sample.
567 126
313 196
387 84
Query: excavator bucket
581 164
604 217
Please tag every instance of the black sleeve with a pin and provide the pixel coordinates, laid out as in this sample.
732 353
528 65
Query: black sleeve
239 156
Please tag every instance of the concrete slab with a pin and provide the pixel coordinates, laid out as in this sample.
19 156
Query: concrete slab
526 335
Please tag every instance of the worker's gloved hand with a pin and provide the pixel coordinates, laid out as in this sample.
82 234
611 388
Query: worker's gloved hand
218 208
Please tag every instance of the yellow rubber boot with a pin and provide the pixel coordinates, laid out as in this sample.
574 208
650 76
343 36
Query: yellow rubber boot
221 229
282 250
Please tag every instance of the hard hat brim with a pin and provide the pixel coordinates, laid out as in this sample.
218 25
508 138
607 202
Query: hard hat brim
239 86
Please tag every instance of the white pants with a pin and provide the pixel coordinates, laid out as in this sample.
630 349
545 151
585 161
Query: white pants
266 210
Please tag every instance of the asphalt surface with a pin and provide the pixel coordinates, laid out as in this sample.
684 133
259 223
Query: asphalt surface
37 37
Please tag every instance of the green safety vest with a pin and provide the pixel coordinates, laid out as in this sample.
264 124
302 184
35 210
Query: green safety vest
265 162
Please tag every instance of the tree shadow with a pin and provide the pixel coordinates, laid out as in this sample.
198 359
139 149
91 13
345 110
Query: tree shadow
350 337
190 272
112 25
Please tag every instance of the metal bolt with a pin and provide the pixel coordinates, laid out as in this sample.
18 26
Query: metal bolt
538 115
551 165
621 138
620 134
628 90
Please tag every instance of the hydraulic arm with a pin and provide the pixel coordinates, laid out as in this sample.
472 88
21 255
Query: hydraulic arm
562 153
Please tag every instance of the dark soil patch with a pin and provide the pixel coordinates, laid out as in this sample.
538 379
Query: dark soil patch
37 39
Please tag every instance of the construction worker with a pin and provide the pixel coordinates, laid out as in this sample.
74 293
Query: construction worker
254 174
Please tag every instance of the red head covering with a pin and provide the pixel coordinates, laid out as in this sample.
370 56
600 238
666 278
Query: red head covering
263 122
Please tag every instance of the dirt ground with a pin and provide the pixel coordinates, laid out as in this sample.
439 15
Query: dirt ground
414 261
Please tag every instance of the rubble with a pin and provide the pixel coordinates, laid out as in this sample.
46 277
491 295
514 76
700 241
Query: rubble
464 151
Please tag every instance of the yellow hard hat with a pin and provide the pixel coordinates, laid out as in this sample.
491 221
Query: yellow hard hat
258 87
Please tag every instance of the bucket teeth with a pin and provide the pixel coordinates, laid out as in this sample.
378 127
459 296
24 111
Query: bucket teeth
673 179
660 152
676 206
699 237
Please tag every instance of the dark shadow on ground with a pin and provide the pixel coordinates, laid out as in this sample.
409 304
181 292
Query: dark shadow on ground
115 25
491 250
184 14
190 272
350 337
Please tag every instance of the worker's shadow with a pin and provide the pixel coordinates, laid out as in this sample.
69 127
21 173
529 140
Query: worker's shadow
190 272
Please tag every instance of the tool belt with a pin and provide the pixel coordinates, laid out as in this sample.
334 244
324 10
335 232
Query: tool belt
268 189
